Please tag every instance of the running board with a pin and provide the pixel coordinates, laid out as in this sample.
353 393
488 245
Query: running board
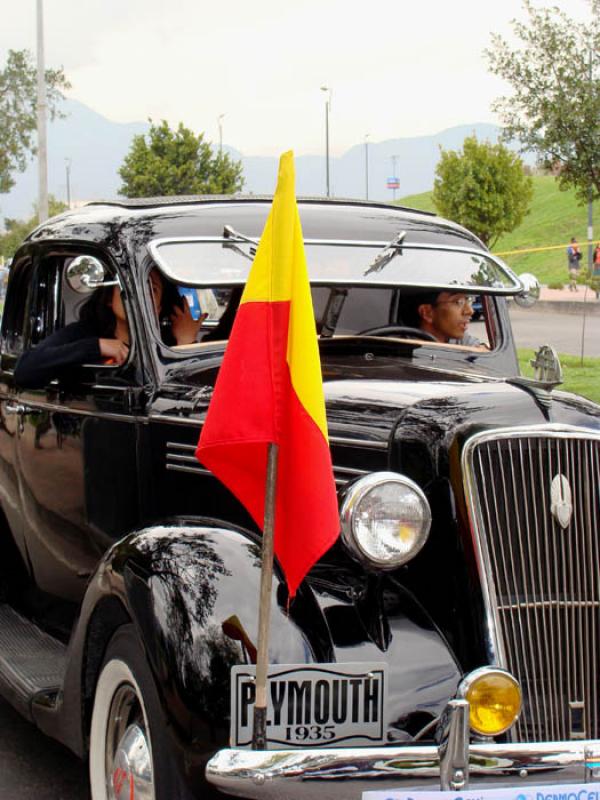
31 661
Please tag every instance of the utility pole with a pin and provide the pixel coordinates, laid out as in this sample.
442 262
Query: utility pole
327 110
590 230
41 119
68 171
220 123
366 166
394 175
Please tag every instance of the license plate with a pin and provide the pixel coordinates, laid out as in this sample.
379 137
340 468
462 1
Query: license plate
310 705
550 791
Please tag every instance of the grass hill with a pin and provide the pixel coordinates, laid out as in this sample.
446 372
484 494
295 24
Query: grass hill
554 217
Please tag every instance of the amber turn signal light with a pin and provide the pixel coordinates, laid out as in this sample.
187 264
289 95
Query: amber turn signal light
494 698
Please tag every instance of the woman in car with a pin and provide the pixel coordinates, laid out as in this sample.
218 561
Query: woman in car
101 335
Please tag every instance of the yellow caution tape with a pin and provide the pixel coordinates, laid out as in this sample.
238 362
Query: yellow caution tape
533 249
538 249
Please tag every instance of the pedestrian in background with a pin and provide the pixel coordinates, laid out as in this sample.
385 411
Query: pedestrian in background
573 259
596 271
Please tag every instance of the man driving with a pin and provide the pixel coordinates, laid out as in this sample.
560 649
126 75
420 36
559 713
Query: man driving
444 315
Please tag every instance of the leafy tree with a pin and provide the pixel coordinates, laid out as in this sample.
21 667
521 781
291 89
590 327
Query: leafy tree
18 229
482 187
175 162
18 111
555 105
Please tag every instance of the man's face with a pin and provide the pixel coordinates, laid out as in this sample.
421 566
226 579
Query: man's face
447 318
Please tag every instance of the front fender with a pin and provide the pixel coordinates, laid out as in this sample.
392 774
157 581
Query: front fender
191 590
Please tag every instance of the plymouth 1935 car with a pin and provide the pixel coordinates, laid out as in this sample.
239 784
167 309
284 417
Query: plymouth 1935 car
448 640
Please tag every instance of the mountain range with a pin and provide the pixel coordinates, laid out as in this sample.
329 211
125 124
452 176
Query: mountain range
93 147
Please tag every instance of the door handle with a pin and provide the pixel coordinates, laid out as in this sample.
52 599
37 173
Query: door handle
19 408
14 408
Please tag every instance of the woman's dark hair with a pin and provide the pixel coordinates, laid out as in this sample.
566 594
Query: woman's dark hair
170 299
97 312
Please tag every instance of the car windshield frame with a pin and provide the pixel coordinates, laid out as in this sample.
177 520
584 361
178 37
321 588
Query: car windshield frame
246 248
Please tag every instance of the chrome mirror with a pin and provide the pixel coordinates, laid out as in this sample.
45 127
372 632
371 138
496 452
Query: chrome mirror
531 291
87 273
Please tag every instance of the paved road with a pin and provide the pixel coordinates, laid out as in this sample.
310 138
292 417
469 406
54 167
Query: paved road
34 767
563 331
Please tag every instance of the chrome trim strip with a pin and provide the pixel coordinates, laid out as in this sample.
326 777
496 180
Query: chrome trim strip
173 420
182 446
370 444
344 773
194 470
552 604
178 457
201 471
351 471
34 405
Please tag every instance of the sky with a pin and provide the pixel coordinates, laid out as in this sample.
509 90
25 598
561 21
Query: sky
396 68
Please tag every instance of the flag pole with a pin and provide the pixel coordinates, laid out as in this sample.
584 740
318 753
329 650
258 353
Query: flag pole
259 732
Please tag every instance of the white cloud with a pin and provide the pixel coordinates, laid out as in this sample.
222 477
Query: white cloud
397 68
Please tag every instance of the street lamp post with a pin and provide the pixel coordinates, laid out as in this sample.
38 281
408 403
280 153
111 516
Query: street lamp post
220 123
590 230
367 165
68 171
41 119
327 110
394 159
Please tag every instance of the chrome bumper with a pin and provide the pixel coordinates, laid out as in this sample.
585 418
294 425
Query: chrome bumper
345 773
457 764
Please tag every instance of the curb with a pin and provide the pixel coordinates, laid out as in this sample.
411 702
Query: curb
591 307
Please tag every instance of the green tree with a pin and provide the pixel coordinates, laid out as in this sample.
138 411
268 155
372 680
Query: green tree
482 187
18 229
174 162
18 114
555 106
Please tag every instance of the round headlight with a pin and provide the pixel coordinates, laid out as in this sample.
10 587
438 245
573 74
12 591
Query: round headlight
494 700
385 519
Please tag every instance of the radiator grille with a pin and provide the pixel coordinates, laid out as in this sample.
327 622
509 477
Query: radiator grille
543 580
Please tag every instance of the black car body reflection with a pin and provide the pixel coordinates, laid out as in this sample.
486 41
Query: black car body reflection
110 524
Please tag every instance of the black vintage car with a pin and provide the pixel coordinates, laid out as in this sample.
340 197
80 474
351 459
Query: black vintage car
449 639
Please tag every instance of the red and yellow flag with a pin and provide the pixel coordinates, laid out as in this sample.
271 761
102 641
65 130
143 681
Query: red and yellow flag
270 390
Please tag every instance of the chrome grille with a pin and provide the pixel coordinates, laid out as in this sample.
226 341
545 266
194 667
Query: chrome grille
541 581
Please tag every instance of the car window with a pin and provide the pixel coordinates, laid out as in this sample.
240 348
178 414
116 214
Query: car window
17 301
196 262
64 329
339 311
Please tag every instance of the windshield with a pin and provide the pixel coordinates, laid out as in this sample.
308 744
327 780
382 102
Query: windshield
227 262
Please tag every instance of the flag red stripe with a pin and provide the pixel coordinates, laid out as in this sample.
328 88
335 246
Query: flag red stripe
306 511
254 403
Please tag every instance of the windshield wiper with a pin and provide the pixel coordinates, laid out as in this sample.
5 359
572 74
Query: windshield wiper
231 233
386 255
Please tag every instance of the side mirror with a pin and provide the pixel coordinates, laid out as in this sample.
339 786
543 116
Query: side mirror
86 273
531 291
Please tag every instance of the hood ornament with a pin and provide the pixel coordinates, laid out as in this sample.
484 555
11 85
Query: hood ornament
561 497
547 367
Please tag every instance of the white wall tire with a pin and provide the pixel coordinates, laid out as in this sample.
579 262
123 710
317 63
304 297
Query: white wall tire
131 742
120 757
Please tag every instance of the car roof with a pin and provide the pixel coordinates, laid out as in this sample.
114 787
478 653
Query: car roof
142 220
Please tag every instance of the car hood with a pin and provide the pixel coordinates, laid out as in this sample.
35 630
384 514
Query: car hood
426 416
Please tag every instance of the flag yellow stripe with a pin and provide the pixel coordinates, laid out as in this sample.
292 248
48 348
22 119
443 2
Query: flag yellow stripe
279 273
